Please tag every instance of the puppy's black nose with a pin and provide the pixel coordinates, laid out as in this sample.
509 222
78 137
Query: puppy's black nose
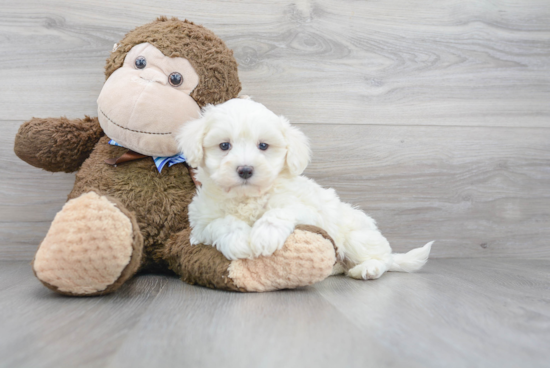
245 172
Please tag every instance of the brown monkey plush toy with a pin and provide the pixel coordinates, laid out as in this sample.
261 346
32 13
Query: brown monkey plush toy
127 212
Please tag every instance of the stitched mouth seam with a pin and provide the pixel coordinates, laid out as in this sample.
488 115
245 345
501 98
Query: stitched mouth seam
132 130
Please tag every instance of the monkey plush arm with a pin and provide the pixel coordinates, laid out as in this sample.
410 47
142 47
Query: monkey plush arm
57 144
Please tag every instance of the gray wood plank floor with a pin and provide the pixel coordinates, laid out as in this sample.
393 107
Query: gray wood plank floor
454 313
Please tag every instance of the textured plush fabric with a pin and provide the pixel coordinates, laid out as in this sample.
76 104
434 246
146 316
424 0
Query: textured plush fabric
93 255
164 65
209 56
306 258
198 264
140 109
158 200
317 230
57 144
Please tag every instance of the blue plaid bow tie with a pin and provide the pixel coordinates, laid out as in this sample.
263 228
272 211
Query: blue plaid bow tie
159 161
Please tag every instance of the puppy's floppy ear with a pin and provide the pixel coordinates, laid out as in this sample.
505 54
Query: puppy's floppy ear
189 140
298 152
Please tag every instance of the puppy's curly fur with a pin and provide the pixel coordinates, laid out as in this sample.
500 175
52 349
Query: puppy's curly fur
250 163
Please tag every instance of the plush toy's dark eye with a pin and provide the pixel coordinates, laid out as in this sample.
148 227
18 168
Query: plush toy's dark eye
140 62
175 79
263 146
225 146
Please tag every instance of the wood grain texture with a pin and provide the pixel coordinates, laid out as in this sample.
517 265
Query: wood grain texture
464 85
477 191
454 313
355 62
43 329
246 330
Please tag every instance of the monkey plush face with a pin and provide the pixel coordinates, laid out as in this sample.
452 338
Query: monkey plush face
143 103
158 77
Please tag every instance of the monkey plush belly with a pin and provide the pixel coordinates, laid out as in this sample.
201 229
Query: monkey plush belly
159 200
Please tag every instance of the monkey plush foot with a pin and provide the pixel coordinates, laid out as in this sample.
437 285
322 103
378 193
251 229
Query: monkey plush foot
307 257
92 247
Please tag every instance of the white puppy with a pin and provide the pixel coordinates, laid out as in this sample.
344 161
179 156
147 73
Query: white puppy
250 163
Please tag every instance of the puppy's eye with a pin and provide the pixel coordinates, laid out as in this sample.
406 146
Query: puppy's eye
175 79
263 146
140 62
225 146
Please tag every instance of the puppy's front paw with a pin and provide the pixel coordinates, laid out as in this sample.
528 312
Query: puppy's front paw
269 235
368 270
235 244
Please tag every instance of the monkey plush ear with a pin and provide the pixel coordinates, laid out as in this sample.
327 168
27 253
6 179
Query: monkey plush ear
189 140
298 152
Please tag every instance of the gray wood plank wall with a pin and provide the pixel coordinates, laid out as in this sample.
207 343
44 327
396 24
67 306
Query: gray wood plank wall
433 116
